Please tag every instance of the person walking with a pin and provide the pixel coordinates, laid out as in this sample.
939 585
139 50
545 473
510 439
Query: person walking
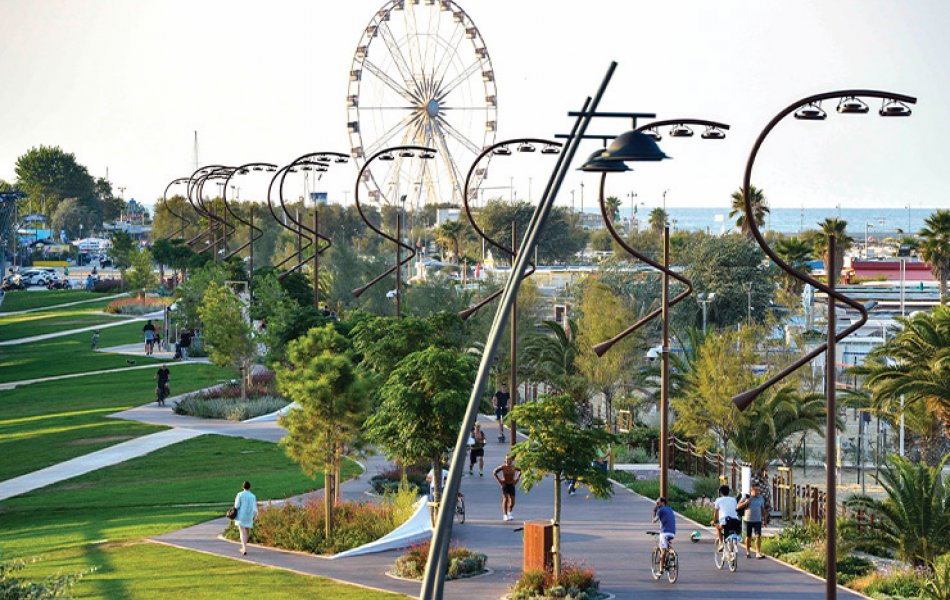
754 507
500 403
246 505
149 331
478 451
510 476
184 342
161 389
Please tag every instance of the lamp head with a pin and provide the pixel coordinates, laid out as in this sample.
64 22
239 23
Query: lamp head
852 106
681 130
596 164
550 150
894 108
633 146
655 135
714 133
526 147
811 112
502 151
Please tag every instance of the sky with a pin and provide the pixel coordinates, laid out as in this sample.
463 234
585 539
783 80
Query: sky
124 85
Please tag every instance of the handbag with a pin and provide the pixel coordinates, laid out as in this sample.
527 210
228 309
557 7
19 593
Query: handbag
232 513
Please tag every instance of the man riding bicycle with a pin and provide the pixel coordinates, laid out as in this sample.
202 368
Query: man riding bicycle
725 515
664 514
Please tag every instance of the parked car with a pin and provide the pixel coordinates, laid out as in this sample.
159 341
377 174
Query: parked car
35 277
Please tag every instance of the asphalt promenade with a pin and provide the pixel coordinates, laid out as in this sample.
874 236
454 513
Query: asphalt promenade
609 535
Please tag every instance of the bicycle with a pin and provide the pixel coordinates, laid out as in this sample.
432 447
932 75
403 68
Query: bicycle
727 553
459 509
672 566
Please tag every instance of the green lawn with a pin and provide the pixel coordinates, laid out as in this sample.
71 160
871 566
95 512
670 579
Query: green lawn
46 423
25 299
69 354
14 327
99 519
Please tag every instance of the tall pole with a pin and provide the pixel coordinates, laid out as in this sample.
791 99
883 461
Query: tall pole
831 558
398 266
513 375
299 242
316 258
705 303
665 368
250 256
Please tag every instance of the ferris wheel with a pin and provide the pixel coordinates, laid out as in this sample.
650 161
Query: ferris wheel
421 75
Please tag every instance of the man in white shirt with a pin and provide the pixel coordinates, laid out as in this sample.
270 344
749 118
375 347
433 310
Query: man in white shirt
725 514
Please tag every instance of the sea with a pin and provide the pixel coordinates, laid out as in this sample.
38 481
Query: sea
883 222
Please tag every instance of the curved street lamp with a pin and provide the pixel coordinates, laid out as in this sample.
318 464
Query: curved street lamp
386 154
320 162
184 222
809 109
254 233
639 145
524 145
283 223
195 198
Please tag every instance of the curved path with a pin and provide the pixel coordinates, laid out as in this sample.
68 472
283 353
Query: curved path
55 306
606 534
49 336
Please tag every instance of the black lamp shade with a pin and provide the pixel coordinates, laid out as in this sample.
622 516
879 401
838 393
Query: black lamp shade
852 106
634 146
597 164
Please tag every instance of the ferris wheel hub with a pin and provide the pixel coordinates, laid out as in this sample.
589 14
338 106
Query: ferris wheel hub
432 108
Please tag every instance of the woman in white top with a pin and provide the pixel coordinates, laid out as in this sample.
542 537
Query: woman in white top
246 504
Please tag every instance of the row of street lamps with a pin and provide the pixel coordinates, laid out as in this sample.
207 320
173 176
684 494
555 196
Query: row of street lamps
637 145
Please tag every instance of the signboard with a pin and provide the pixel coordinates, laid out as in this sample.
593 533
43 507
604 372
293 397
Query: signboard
319 198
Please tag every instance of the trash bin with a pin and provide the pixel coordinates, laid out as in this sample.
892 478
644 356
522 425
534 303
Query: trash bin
538 539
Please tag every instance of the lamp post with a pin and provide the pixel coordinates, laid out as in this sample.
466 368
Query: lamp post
254 233
195 198
639 145
809 109
867 246
389 155
180 217
523 145
748 291
437 562
705 299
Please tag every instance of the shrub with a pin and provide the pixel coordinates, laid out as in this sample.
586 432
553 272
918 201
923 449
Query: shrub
812 559
301 527
891 583
462 562
779 546
699 510
54 586
636 456
938 587
706 487
104 286
576 583
390 478
651 489
135 306
232 409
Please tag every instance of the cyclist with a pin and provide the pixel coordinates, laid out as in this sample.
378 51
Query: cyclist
725 516
664 514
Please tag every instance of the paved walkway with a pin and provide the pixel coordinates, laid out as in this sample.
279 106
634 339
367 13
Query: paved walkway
55 306
609 535
49 336
12 384
93 461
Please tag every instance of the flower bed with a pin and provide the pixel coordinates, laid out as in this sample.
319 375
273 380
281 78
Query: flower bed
576 583
462 562
224 402
135 306
389 479
301 527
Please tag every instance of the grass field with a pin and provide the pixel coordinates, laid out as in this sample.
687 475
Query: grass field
46 423
100 519
68 354
25 299
14 327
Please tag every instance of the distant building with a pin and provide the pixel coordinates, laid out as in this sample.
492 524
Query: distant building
443 215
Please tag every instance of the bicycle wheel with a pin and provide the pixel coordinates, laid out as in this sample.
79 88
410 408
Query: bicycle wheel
655 564
672 566
733 555
720 554
460 511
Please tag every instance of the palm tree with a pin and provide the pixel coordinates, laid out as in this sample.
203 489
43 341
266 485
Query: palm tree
796 252
551 357
935 248
658 219
759 208
843 241
450 233
613 207
915 364
774 421
914 519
